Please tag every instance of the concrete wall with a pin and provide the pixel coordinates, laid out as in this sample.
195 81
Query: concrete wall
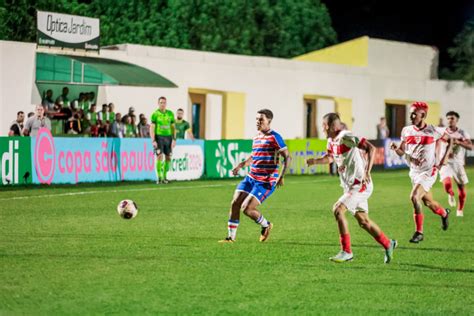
273 83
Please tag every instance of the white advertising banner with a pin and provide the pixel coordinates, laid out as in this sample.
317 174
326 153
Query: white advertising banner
64 30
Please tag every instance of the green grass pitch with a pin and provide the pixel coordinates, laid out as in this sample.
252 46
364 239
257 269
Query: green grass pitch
64 250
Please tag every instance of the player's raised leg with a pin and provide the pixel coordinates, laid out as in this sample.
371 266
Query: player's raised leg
436 208
448 188
462 199
374 230
249 206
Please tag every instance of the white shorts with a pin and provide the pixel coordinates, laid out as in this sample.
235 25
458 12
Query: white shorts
455 171
425 178
355 200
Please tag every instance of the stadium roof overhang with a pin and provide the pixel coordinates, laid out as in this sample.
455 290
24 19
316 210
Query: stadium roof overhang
68 69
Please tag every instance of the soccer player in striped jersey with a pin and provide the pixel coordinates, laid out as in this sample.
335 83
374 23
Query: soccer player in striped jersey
418 145
455 166
354 171
263 178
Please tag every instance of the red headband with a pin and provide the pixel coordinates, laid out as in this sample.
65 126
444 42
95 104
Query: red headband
420 106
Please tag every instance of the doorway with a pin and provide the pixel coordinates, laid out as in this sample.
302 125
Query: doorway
198 110
310 118
396 118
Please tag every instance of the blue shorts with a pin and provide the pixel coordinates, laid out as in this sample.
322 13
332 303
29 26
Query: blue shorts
260 190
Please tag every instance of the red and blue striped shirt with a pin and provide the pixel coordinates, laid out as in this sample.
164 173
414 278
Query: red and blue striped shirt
266 149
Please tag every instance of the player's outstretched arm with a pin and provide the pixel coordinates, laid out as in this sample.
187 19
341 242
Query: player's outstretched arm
326 159
399 150
244 163
286 163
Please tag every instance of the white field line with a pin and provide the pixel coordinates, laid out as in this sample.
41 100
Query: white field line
158 188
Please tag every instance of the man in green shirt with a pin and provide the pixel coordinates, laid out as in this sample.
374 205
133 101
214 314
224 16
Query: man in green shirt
182 126
163 136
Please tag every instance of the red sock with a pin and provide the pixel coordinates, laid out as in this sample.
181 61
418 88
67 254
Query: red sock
448 186
440 211
462 198
345 240
418 222
383 240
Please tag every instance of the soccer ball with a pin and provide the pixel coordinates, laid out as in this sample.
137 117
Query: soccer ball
127 209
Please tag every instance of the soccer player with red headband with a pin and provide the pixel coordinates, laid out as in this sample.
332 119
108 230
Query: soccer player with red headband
418 145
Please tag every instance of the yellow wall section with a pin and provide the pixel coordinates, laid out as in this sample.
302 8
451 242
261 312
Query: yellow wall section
233 111
434 113
353 53
344 108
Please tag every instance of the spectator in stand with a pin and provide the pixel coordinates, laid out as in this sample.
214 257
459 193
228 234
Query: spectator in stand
130 128
103 121
131 112
73 125
91 97
16 128
111 114
143 127
48 102
92 119
182 126
64 98
117 127
85 103
382 130
30 114
37 121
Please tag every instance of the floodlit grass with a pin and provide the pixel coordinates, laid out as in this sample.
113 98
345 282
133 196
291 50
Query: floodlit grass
64 250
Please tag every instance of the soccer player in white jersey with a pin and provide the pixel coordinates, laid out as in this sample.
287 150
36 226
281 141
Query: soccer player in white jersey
418 145
354 171
455 166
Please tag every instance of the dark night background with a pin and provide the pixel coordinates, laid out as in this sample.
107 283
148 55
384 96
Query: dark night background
433 23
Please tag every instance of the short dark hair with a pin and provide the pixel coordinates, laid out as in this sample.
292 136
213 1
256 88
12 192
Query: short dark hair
180 109
268 114
452 113
331 117
162 97
20 112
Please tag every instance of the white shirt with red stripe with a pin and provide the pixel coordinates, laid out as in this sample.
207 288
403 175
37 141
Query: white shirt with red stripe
458 153
345 150
420 146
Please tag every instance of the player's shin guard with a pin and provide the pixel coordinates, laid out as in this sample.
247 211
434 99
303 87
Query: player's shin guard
166 169
462 197
418 222
159 169
383 240
345 240
440 211
448 186
262 221
232 226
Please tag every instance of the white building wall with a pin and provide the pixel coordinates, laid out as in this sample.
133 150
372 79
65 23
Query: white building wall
273 83
18 91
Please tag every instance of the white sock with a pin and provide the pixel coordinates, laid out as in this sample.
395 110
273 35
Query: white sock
262 221
232 226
